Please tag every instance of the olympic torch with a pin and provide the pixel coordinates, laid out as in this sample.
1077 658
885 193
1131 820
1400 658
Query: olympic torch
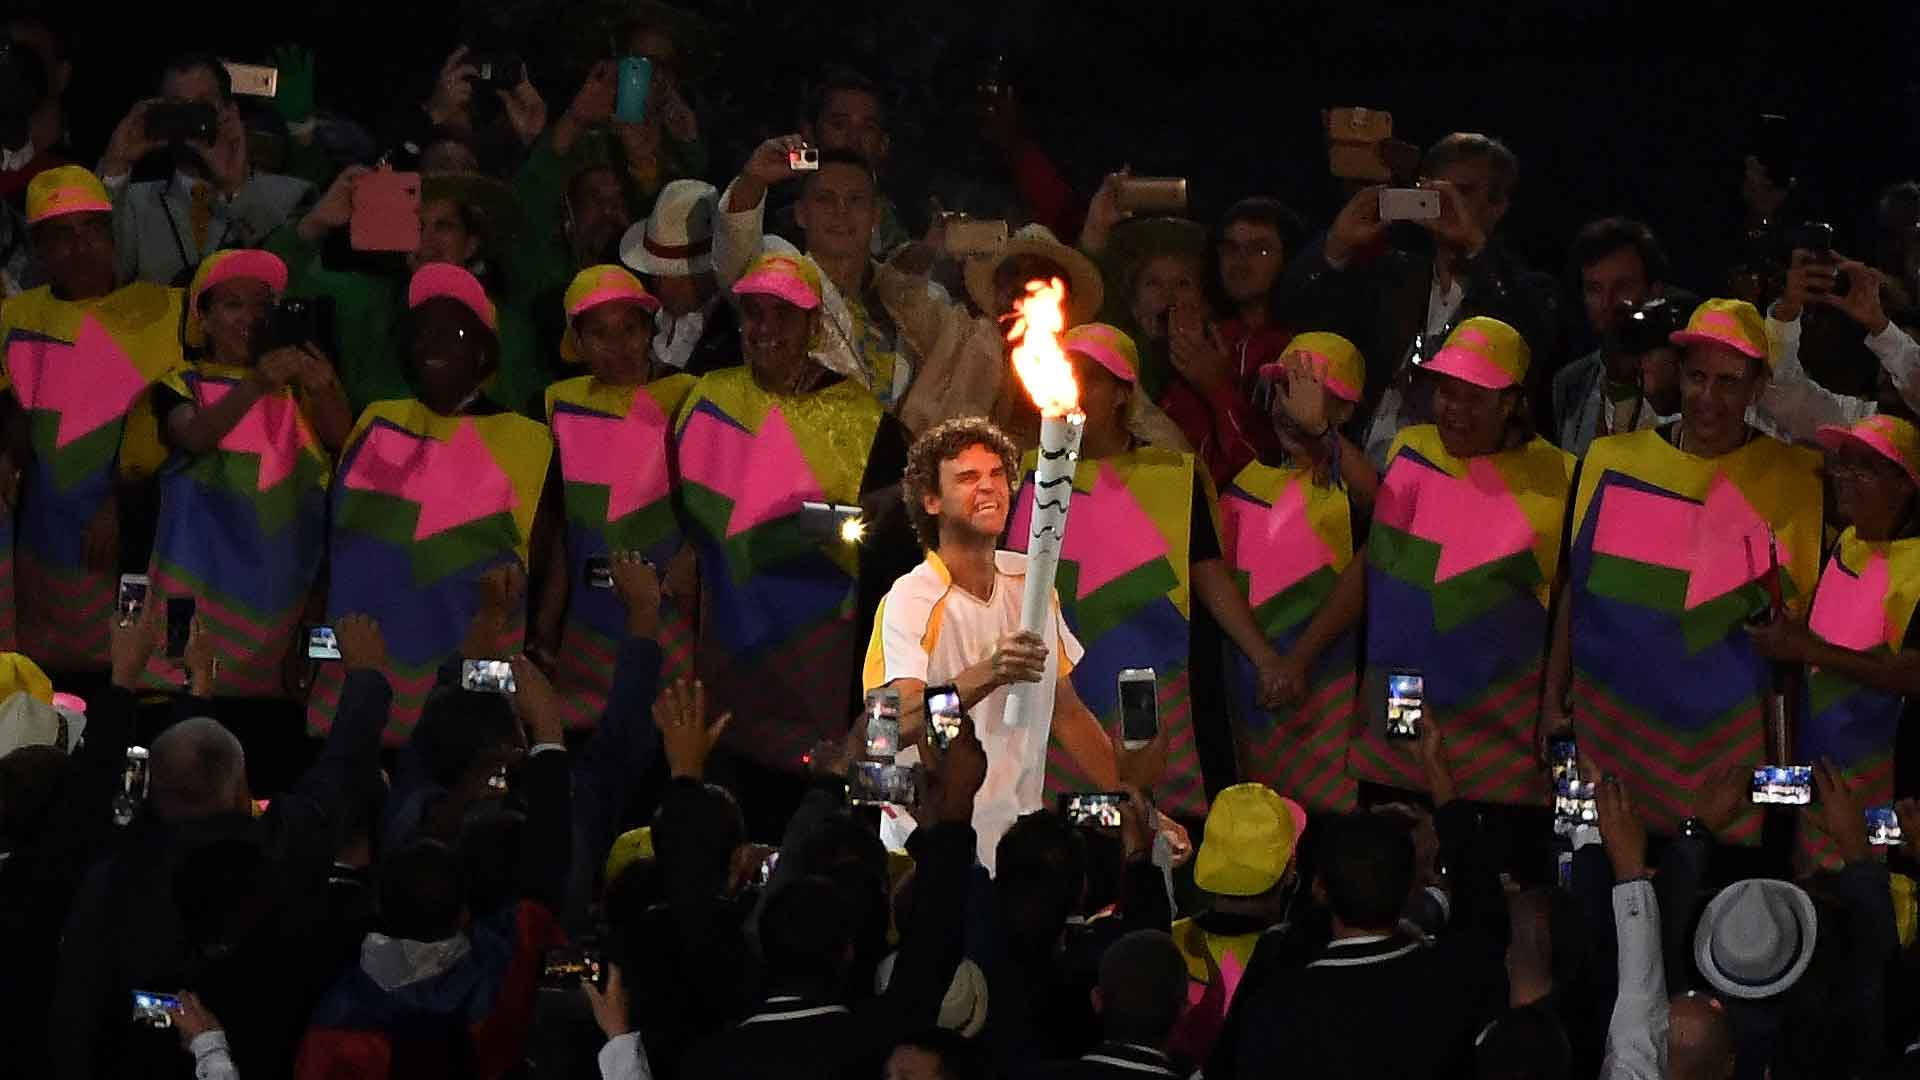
1048 376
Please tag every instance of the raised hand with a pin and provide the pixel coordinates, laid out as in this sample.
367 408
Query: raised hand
680 712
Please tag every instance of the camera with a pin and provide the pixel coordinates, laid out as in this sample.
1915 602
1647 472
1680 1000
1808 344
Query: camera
178 122
1648 325
294 321
564 966
497 71
1816 239
805 159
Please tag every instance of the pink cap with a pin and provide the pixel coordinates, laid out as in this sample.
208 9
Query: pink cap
435 280
1107 346
792 278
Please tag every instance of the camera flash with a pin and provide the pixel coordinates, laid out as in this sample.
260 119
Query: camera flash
852 530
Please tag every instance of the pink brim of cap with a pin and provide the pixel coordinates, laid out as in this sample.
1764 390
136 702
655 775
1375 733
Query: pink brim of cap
1717 328
250 264
1299 815
71 200
435 280
610 294
774 283
1106 356
1273 369
1833 437
1469 366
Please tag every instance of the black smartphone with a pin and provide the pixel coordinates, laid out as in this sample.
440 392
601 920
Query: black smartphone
322 643
1773 147
1783 785
497 71
1574 804
487 676
599 572
1100 809
153 1009
883 723
1139 707
564 966
875 783
1406 704
297 320
1883 826
944 715
179 625
132 597
177 122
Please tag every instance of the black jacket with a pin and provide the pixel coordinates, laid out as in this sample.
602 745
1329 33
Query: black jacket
1380 304
802 1037
129 930
1110 1061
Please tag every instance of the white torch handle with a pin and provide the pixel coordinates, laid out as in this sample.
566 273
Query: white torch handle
1053 491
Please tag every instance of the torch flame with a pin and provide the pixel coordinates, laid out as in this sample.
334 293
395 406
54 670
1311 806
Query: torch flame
1038 359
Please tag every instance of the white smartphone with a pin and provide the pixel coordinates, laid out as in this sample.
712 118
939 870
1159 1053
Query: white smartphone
1409 204
253 80
1139 707
132 597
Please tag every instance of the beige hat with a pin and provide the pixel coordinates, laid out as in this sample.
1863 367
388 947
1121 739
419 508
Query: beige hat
964 1008
25 720
676 240
1085 290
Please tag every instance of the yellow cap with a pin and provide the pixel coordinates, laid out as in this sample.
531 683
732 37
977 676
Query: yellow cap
18 672
1250 837
68 189
632 846
1485 352
1733 323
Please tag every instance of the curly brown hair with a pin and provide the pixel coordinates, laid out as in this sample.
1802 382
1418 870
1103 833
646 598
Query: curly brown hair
944 442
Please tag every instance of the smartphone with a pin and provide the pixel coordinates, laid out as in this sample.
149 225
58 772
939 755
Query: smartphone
599 572
967 237
133 786
883 723
1783 785
252 80
1100 809
1139 707
1773 147
497 71
768 866
322 643
294 321
804 159
133 597
386 212
1409 204
1406 704
487 676
826 521
179 625
497 779
564 966
153 1009
1883 826
874 783
1355 135
944 715
178 122
1574 803
1152 194
635 79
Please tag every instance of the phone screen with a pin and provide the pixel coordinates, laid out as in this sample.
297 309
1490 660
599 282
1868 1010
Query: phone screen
1406 704
153 1009
1883 826
876 782
1783 785
599 572
943 715
1139 705
487 676
883 723
564 966
133 596
1573 797
1100 809
179 625
322 643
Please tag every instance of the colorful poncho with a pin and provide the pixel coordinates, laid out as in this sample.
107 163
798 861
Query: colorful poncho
243 531
1865 602
1461 560
613 444
779 642
1669 559
81 370
1288 539
424 504
1124 587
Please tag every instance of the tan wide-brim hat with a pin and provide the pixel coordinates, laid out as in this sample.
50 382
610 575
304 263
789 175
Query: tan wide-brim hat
1085 291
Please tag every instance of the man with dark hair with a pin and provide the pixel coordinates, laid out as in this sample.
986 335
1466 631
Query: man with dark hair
213 198
1323 1019
846 113
1619 267
956 619
1398 296
805 1027
1141 996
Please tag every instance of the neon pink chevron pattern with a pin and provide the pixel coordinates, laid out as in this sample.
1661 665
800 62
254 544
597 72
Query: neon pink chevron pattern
757 472
90 383
1665 770
1108 534
454 483
1278 544
272 430
1721 544
1304 755
626 454
1849 610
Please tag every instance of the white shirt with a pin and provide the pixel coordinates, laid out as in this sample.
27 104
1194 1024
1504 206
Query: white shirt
625 1058
931 630
1793 406
675 336
1637 1032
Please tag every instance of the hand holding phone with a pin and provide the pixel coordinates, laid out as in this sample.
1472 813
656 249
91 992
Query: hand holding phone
1152 195
633 82
1099 809
487 676
132 598
1406 704
1409 204
1783 785
155 1010
1139 707
883 723
322 643
944 715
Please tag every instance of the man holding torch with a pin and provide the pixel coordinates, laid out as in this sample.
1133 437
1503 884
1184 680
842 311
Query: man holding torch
970 616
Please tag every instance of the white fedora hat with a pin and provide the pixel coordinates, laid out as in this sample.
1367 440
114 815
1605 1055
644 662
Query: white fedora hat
676 240
1756 938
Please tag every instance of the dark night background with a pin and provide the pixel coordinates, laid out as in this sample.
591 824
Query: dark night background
1637 109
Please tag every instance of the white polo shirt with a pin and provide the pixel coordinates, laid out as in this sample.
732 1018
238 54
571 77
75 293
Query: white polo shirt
929 629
